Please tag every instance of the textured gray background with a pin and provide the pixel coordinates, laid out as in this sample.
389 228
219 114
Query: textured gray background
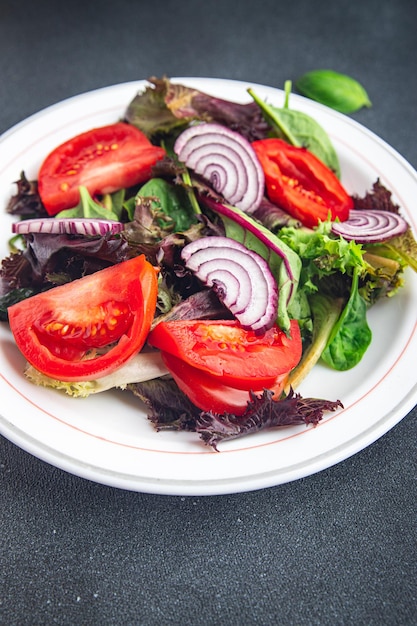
335 548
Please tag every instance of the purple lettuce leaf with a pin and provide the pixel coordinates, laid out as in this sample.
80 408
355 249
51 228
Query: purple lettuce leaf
263 413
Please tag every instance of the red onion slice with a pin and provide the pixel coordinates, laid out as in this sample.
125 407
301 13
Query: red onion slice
370 226
241 278
67 226
226 160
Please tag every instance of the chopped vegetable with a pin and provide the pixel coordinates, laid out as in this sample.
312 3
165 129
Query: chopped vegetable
102 160
284 263
89 327
222 348
209 393
370 226
300 183
226 160
68 226
299 129
240 277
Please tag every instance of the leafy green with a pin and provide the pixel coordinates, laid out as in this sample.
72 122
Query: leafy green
12 297
300 130
335 90
322 254
351 334
325 312
405 246
170 204
170 409
263 412
165 108
143 366
88 208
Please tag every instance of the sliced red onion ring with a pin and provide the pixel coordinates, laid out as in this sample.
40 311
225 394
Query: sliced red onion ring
226 160
370 226
67 226
240 277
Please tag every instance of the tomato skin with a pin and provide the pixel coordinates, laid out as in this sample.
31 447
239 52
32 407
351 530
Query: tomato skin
297 181
103 160
223 349
208 393
43 324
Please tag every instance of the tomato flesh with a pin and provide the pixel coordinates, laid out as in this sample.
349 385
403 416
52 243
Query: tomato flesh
222 348
103 160
297 181
107 321
210 394
87 328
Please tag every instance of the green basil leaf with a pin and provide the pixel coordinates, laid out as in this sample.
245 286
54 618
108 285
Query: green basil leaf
335 90
301 130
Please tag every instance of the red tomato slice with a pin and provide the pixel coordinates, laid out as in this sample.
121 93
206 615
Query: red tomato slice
241 358
208 393
87 328
297 181
103 160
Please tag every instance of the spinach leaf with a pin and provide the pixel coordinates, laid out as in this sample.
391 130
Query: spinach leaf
351 334
171 202
335 90
300 130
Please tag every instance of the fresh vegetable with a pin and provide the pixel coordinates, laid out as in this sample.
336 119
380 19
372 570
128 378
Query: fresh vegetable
351 335
89 327
110 207
223 349
209 393
240 277
262 413
169 205
299 129
284 263
165 107
67 226
370 226
225 159
336 90
300 183
102 160
141 367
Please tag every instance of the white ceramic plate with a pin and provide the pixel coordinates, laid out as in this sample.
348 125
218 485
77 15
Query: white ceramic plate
107 438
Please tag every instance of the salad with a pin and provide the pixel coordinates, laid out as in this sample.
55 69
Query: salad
208 293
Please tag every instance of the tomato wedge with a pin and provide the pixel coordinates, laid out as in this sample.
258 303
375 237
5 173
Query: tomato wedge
87 328
103 160
222 348
297 181
210 394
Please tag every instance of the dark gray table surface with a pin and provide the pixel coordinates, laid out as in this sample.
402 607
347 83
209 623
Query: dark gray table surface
337 547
